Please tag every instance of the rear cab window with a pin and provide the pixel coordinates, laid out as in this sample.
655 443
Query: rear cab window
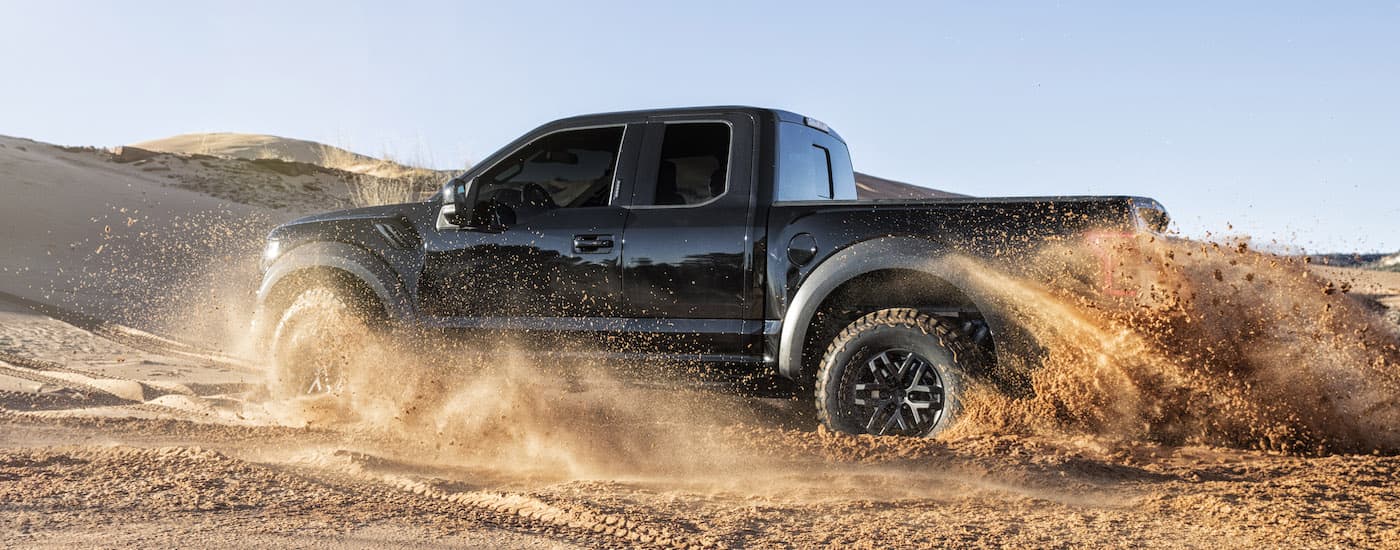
812 166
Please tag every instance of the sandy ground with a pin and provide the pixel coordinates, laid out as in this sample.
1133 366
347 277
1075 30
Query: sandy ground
109 444
113 437
1381 286
87 461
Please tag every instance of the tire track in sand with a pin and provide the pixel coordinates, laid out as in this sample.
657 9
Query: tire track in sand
127 336
8 367
617 528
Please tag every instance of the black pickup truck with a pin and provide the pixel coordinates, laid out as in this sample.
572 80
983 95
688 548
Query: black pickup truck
727 236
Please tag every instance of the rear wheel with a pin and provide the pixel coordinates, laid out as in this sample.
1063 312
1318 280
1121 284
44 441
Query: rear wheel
316 342
893 372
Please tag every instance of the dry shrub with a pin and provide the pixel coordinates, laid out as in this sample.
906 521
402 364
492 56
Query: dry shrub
377 182
368 190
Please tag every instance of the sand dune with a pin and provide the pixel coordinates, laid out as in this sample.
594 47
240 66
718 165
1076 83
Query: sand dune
257 146
263 147
871 187
125 242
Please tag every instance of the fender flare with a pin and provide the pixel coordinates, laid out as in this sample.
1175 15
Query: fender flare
357 261
910 253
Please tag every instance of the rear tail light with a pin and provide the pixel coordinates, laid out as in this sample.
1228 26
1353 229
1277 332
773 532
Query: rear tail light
1110 247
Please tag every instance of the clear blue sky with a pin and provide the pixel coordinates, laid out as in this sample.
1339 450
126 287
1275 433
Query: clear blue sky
1281 118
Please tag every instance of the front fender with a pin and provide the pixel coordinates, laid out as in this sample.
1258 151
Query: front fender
359 263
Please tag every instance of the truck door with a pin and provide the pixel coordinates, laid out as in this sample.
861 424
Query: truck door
689 240
557 265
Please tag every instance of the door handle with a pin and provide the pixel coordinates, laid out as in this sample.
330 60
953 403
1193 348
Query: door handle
593 244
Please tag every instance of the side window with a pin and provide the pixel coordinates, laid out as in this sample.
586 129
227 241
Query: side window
812 165
694 163
569 169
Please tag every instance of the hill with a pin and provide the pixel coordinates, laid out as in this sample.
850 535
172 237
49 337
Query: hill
1388 263
262 147
1380 262
871 187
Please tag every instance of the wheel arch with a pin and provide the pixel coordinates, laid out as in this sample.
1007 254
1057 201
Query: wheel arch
908 267
353 272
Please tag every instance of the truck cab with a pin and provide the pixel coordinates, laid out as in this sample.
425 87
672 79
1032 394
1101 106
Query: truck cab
645 230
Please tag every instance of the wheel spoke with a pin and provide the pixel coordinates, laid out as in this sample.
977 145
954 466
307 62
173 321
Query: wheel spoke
873 392
904 365
880 367
915 407
325 379
918 376
896 418
874 417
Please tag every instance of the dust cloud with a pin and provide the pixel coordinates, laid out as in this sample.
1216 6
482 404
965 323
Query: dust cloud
443 403
1215 344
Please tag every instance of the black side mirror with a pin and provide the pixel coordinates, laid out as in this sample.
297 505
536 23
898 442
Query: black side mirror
460 195
461 207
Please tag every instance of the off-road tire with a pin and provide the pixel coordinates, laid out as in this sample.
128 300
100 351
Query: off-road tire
943 349
319 335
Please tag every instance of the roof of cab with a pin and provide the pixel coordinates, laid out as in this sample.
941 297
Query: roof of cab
779 114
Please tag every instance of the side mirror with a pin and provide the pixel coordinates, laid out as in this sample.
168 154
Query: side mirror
461 208
458 198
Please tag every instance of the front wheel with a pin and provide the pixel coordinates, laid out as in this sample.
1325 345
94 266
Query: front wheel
893 372
318 340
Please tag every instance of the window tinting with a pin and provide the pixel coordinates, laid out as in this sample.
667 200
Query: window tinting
812 165
569 169
694 163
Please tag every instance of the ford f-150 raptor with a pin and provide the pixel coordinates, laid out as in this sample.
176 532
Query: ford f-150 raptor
722 235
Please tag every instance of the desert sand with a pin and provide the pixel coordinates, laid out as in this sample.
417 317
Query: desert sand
132 413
